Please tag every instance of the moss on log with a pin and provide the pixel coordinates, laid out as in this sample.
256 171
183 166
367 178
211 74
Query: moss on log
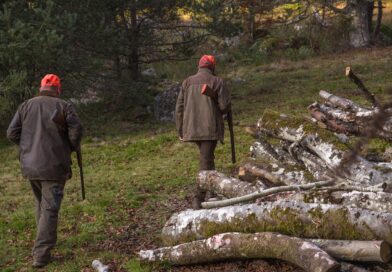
294 129
293 218
228 246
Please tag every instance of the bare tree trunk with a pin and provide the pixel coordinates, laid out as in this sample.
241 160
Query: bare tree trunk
228 246
133 60
377 28
359 32
286 217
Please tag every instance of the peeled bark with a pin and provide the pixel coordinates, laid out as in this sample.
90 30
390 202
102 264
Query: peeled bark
358 251
228 246
286 217
225 186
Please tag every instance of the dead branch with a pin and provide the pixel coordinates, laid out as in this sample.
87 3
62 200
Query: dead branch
255 195
369 96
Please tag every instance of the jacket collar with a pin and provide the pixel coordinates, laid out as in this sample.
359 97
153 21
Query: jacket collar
48 93
206 70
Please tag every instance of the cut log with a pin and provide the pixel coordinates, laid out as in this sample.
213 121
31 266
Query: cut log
225 186
228 246
317 167
344 116
358 251
276 176
263 152
287 217
343 103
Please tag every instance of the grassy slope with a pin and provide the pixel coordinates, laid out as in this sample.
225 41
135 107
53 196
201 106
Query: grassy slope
135 181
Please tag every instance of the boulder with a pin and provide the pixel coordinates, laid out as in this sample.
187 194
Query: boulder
165 103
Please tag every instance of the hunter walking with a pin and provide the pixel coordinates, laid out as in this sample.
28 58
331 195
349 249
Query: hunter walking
201 104
45 149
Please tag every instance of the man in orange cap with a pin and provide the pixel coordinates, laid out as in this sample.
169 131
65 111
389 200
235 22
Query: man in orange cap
201 104
45 156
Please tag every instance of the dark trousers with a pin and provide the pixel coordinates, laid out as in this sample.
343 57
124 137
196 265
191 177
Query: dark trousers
207 157
206 162
48 197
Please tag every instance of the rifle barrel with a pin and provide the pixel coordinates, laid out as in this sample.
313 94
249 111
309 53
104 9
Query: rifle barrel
231 130
80 164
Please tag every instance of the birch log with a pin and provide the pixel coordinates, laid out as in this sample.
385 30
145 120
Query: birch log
344 116
287 217
358 251
228 246
275 176
361 172
225 186
380 201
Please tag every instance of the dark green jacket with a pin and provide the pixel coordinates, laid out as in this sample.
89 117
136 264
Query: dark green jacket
45 148
199 117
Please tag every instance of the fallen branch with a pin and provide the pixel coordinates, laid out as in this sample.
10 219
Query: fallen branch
255 195
228 246
369 96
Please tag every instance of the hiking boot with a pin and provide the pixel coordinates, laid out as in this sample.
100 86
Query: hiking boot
196 203
39 264
42 261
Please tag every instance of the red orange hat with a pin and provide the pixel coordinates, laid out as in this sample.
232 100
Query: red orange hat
51 82
207 61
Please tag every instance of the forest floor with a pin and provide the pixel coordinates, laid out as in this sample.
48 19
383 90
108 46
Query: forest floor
137 177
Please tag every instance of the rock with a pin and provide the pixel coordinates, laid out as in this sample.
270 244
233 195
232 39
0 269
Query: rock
238 80
150 72
387 156
233 41
165 103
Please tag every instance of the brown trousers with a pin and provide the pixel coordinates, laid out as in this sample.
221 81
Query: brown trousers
207 157
48 197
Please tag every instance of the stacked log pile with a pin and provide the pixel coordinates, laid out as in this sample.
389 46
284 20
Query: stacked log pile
305 196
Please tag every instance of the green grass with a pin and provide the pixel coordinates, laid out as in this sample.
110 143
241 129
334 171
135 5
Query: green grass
139 174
